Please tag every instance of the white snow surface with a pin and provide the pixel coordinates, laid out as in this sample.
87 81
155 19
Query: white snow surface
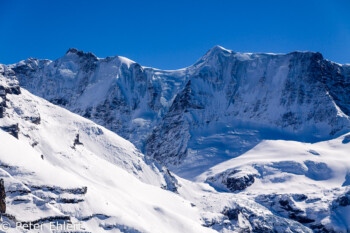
262 137
45 176
120 185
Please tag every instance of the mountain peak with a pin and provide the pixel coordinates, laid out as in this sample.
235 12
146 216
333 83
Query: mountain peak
212 53
72 50
218 49
80 53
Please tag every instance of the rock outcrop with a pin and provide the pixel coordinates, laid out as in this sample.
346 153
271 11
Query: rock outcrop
2 197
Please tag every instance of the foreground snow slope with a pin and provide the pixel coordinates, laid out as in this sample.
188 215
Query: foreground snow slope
101 180
112 199
102 175
40 192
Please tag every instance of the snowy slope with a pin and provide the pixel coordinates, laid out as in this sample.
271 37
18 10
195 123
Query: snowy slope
41 192
303 181
103 176
114 91
101 181
112 200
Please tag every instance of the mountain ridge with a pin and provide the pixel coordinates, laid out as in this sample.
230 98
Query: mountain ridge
214 49
142 104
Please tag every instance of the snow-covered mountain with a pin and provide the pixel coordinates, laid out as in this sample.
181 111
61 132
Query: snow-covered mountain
60 167
115 91
182 117
264 137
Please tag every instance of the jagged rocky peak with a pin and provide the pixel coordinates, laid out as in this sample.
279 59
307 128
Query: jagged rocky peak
90 56
81 53
72 50
30 65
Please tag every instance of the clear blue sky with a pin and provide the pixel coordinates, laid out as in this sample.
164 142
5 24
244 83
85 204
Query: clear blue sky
172 34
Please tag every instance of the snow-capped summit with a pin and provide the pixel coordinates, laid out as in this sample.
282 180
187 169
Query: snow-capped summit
79 53
73 50
216 50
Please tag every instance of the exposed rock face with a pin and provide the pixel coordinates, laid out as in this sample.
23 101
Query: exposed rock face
2 101
342 201
34 119
287 206
237 184
2 197
77 141
347 180
166 113
11 129
171 182
346 139
233 180
250 222
8 85
318 171
308 209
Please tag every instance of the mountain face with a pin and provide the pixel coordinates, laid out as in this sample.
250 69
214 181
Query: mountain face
58 167
265 137
113 91
179 117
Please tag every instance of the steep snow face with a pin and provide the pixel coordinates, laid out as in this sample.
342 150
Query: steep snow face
233 100
194 118
61 136
60 167
297 92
